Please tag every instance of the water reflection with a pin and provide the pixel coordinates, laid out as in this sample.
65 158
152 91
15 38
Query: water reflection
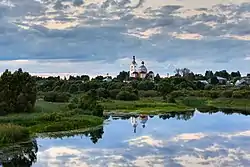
94 134
142 119
212 139
24 155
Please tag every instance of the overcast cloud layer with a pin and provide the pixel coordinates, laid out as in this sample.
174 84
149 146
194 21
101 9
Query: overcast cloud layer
101 36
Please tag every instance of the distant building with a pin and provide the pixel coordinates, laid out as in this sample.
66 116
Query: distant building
243 82
141 71
222 80
107 78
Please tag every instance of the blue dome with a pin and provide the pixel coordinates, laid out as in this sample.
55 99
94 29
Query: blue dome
142 68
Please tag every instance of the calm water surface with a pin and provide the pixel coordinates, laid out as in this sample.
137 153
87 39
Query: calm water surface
191 140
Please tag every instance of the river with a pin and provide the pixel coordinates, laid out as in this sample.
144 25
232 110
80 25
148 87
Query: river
191 140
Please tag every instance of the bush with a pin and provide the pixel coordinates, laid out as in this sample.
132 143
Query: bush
126 96
241 94
56 97
212 94
10 133
113 93
208 87
194 102
226 94
149 93
178 93
170 99
102 93
87 103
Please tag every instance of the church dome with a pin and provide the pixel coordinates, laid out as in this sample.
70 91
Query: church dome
142 68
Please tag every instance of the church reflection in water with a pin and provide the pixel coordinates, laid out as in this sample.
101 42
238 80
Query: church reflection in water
142 119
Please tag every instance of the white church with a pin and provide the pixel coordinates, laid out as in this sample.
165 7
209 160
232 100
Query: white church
141 71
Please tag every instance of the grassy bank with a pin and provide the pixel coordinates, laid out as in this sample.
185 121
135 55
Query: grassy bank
48 117
146 106
157 106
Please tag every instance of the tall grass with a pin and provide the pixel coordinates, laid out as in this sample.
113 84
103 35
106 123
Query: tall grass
10 133
51 117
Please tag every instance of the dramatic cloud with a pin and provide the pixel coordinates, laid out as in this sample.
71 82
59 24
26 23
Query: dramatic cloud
189 149
166 34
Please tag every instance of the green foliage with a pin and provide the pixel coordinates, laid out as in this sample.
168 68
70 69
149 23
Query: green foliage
10 133
226 93
165 87
241 94
102 93
170 99
17 92
73 88
88 104
146 85
194 102
214 80
126 96
148 93
113 93
56 97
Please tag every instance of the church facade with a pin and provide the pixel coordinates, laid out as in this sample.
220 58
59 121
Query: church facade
141 71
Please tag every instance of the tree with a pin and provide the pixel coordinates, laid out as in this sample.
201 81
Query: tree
73 88
214 80
235 74
157 78
122 76
18 92
85 78
165 87
185 72
126 96
99 78
209 74
223 74
88 104
177 72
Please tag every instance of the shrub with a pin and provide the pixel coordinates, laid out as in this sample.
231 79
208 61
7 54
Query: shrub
179 93
148 93
126 96
226 94
208 87
194 102
88 104
113 93
102 93
170 99
10 133
56 97
241 94
212 94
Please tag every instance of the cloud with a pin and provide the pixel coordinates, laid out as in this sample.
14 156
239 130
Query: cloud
145 140
109 30
183 149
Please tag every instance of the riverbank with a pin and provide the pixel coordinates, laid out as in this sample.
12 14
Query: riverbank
47 117
157 106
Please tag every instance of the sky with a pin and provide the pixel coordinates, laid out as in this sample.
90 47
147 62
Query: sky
96 37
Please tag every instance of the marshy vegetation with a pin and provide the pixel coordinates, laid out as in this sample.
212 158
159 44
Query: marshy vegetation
22 116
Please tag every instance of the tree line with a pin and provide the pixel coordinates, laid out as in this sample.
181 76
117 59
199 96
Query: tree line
19 90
